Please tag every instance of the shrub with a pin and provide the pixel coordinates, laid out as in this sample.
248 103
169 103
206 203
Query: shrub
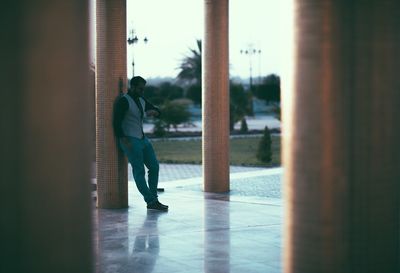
243 126
174 113
239 103
159 128
264 153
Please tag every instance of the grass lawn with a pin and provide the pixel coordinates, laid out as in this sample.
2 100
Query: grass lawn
242 151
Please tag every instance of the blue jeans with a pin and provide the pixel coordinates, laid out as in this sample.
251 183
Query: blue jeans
140 152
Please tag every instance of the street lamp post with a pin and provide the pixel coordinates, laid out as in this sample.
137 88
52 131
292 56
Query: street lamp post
133 39
250 51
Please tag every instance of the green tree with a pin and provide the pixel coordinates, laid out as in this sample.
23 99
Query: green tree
190 73
190 68
163 92
270 89
169 91
194 93
152 93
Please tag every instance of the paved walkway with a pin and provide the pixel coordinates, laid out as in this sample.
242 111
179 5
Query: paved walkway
215 233
170 172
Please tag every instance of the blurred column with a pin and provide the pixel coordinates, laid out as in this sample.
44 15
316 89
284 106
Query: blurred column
342 149
45 165
111 165
215 82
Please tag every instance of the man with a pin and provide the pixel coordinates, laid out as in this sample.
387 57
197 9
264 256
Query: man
128 127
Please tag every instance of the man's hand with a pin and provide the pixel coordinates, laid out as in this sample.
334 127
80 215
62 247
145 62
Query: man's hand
152 113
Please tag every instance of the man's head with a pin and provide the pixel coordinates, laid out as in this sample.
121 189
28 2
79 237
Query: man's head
137 84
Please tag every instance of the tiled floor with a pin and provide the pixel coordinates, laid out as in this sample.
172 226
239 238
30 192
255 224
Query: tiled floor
214 233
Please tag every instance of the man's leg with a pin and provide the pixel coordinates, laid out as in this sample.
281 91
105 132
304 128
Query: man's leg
136 159
151 162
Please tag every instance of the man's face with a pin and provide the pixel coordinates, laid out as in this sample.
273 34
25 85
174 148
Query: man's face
139 89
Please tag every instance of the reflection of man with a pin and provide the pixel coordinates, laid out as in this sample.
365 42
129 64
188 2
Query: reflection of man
128 127
147 245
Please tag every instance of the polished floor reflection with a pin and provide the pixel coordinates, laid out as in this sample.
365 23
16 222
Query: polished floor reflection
213 233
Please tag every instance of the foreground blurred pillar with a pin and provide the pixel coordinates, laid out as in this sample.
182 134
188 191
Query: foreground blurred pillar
111 166
342 154
45 179
215 82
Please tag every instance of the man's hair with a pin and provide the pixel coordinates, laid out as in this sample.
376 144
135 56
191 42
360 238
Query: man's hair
136 80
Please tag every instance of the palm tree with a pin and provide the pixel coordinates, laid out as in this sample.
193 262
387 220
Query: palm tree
191 66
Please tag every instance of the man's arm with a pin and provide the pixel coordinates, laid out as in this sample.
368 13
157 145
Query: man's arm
121 106
150 107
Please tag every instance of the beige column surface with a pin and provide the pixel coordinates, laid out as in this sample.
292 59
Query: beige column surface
342 155
45 165
111 165
215 97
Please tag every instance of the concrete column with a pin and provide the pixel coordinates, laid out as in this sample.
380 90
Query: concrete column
215 82
111 166
342 151
45 199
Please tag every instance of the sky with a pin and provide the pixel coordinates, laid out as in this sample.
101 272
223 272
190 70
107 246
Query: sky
173 26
